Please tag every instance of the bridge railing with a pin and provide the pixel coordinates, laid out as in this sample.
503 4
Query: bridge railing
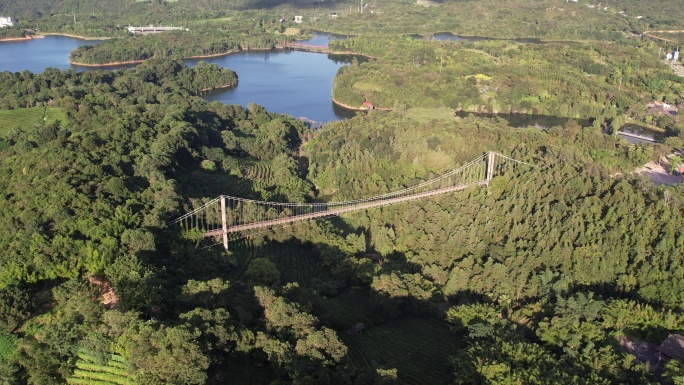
226 214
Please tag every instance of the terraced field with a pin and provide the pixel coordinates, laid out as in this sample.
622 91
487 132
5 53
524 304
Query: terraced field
259 177
418 348
245 250
114 372
29 117
261 174
54 115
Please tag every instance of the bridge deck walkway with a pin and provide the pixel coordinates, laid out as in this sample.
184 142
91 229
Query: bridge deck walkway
342 210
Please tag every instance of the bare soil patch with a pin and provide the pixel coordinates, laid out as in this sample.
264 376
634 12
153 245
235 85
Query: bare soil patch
107 295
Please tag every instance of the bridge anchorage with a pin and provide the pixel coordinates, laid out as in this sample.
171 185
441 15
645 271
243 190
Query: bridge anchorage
226 216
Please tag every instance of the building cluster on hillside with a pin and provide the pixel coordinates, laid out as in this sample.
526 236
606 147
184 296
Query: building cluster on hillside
674 56
6 21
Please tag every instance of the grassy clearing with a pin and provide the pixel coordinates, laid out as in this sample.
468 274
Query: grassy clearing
54 115
427 3
296 263
367 86
292 31
482 77
245 251
418 348
8 345
430 114
204 183
30 117
241 371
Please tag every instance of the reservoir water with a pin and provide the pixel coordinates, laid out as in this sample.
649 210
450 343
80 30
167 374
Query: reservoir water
322 38
38 54
287 82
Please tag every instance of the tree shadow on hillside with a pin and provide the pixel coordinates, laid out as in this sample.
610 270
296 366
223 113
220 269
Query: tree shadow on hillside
611 290
385 292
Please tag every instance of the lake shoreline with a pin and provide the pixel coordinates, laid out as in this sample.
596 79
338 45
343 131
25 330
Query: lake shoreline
212 55
347 106
25 38
218 87
112 64
273 77
234 51
79 37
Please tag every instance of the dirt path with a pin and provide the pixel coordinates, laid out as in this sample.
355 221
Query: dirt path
107 296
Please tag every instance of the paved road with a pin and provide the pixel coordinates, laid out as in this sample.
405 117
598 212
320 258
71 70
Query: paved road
658 174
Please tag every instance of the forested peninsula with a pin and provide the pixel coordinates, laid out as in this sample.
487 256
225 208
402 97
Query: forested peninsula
170 45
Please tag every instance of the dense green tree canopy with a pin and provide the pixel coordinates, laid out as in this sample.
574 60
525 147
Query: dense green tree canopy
547 275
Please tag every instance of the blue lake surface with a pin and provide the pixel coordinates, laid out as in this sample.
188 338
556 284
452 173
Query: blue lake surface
38 54
287 82
322 38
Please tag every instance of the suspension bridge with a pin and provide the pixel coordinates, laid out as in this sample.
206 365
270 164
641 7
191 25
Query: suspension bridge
226 215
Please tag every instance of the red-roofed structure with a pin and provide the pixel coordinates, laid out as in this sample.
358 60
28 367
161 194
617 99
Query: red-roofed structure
368 105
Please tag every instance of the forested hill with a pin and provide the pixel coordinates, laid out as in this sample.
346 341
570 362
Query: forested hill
533 279
173 45
546 19
546 270
76 188
119 9
570 215
601 80
91 164
35 9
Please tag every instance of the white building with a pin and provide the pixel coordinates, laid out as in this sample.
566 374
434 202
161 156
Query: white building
6 21
153 29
